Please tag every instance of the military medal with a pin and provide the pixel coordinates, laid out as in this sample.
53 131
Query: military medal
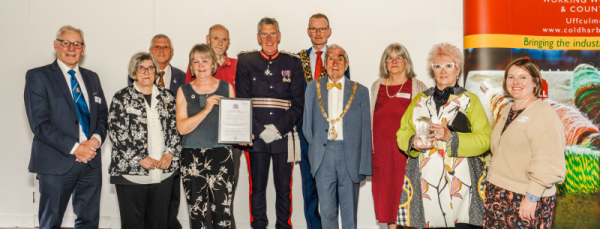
286 76
333 132
267 72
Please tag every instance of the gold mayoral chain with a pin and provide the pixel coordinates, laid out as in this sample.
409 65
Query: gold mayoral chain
333 133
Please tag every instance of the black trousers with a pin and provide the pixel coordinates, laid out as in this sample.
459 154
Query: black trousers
145 206
258 168
175 201
207 176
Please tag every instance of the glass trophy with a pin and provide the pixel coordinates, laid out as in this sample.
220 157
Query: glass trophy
421 126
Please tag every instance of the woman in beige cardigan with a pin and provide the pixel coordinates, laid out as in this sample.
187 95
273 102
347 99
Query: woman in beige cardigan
390 96
527 144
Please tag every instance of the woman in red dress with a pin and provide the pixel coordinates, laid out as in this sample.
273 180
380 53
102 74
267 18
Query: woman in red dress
390 96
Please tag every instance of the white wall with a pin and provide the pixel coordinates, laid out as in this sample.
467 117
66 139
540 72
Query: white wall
115 30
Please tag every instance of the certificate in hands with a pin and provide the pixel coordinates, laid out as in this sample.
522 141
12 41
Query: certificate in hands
235 120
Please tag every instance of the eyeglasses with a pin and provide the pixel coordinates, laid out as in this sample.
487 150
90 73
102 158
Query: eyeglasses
391 59
314 30
141 69
158 47
67 44
438 67
272 34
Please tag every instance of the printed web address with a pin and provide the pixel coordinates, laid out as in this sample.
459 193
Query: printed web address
572 30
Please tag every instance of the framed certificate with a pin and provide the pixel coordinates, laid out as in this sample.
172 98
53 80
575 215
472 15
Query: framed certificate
235 121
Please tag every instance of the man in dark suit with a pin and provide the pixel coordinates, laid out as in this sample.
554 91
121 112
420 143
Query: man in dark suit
67 114
170 77
340 156
313 65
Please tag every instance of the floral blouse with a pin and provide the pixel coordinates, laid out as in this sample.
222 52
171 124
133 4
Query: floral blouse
128 131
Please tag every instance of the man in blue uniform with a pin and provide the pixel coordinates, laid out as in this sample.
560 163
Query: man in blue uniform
313 60
274 80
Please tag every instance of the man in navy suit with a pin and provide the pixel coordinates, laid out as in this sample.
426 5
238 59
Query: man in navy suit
170 77
313 66
67 114
337 126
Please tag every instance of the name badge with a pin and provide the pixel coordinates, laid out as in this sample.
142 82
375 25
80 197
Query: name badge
403 95
522 119
98 99
131 110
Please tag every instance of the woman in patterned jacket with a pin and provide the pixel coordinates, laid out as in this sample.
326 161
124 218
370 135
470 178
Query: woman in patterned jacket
146 147
445 174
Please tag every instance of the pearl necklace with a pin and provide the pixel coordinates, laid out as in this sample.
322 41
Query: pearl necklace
386 88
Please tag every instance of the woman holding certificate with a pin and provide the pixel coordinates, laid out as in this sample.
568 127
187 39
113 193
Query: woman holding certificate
206 165
444 131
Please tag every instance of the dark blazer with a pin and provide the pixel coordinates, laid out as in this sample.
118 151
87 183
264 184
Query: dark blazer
53 118
128 131
357 129
177 79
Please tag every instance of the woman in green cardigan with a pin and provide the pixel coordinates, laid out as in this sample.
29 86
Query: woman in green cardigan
445 172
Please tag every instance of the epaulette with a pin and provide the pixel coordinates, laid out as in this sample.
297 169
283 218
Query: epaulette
291 54
246 52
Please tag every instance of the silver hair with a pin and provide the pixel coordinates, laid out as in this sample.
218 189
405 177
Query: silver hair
334 46
137 59
267 21
69 28
401 51
161 36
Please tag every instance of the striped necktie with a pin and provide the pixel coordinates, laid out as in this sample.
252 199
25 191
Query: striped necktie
83 114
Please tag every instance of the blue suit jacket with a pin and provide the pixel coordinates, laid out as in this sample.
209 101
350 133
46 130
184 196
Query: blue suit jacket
53 118
357 129
177 79
347 74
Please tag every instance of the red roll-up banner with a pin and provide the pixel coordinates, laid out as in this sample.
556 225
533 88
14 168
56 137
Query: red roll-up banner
563 38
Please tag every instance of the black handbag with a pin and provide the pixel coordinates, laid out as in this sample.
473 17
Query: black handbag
460 123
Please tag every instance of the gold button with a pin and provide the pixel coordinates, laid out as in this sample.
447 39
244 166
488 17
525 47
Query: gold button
145 132
271 113
145 144
271 87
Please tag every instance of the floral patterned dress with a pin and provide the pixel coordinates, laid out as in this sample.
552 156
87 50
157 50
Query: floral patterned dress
444 186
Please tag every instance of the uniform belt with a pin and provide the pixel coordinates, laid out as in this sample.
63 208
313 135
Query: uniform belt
292 136
271 103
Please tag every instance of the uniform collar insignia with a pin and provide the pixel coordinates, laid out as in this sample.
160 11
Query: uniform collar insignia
263 54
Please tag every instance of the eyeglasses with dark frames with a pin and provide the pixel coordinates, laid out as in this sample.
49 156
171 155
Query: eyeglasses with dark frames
141 69
314 30
66 44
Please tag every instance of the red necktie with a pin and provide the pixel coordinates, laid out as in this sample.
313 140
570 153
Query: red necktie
318 65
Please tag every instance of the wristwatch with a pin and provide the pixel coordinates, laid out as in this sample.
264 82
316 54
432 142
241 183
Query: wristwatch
532 198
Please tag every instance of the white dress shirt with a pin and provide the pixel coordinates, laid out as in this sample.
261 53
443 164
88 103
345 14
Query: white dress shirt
335 107
313 60
166 76
156 141
65 69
